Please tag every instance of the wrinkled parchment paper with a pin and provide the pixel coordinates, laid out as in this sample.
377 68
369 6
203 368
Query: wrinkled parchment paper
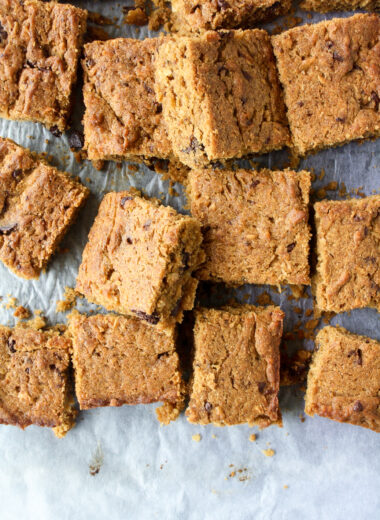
119 463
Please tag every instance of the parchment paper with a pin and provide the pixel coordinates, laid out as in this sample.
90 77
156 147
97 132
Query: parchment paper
146 471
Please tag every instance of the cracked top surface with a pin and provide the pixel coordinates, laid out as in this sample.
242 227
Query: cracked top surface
330 72
37 205
344 378
39 50
236 366
33 378
255 225
121 360
348 248
222 90
139 259
123 117
225 14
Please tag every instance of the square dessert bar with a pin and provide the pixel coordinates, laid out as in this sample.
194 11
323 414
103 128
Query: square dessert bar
221 89
193 15
122 360
38 203
236 368
323 6
139 259
40 45
331 78
344 378
348 249
123 118
255 225
34 381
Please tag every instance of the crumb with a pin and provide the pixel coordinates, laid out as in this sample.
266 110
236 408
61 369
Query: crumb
298 292
22 313
133 167
168 412
252 437
136 16
37 323
196 437
331 186
268 453
308 312
213 436
97 461
12 302
233 473
264 299
322 174
302 417
69 300
286 486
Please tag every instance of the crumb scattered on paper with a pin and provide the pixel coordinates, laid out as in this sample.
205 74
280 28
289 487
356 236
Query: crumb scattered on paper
252 437
269 452
69 300
22 313
196 437
168 412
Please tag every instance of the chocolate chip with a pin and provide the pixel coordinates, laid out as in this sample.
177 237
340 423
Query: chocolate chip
222 4
376 99
158 108
261 386
76 140
254 184
358 356
16 173
6 230
337 57
27 370
123 200
246 75
329 44
89 62
357 218
370 259
205 229
55 131
3 33
208 407
340 119
290 247
129 240
358 407
153 319
300 103
194 146
11 345
52 367
148 88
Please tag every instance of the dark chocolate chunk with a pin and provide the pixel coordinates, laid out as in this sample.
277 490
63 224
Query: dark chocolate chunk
3 33
194 146
337 57
340 119
153 319
254 184
329 44
357 218
6 230
16 173
246 75
76 140
358 407
357 356
208 407
11 345
124 200
290 247
129 240
55 131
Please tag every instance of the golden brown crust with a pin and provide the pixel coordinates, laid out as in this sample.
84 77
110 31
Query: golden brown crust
344 378
331 77
236 368
323 6
192 15
140 258
255 225
121 360
123 118
34 385
40 45
221 89
38 203
348 248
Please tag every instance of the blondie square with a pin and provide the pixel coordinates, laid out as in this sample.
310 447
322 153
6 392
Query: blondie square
331 78
236 367
255 225
192 15
40 45
122 360
348 249
344 378
123 118
323 6
139 259
221 89
34 382
38 203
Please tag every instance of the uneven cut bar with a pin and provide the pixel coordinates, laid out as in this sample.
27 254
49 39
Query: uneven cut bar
40 45
123 119
348 275
255 225
344 378
139 259
331 78
38 203
121 360
192 15
34 383
222 91
236 367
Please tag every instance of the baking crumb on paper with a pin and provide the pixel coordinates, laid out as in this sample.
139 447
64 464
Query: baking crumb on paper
269 452
252 437
197 437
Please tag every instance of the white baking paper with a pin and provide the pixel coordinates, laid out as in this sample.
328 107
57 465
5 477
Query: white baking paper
320 469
